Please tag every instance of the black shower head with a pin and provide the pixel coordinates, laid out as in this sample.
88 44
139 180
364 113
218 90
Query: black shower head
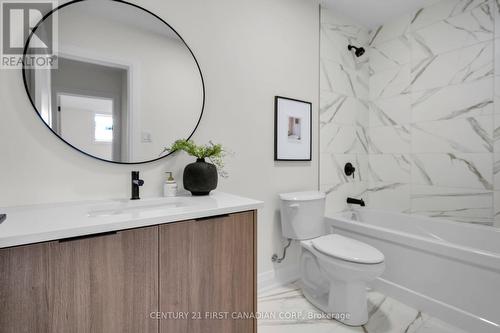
359 51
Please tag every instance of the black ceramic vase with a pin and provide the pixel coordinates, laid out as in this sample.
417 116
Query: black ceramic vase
200 177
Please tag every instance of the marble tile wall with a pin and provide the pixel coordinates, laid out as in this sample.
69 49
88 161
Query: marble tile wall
343 111
431 115
496 132
424 128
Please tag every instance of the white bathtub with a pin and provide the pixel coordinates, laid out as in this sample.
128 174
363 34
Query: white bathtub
448 269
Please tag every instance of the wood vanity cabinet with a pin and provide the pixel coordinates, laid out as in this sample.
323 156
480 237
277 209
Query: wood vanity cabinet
212 275
121 282
106 283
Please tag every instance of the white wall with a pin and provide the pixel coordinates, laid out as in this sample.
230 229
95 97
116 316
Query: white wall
249 52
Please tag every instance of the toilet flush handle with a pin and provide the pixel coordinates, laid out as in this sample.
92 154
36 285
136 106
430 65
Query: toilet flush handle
295 205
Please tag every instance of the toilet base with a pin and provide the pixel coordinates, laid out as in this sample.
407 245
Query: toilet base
351 311
335 287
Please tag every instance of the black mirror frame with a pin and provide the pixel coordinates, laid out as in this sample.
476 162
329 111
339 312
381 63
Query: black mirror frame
69 144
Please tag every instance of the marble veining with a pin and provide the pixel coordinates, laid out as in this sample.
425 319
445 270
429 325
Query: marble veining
456 67
332 168
465 135
344 87
454 33
390 82
389 139
342 110
386 315
394 168
451 102
339 78
443 10
458 204
429 119
453 170
390 111
390 54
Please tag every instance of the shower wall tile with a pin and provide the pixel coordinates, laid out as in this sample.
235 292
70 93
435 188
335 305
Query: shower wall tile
457 32
335 77
336 195
497 84
342 110
450 102
389 196
496 206
343 139
496 149
335 37
496 171
458 204
467 135
389 55
496 14
389 139
390 111
389 168
332 168
443 10
390 30
418 114
497 55
472 171
456 67
496 133
390 82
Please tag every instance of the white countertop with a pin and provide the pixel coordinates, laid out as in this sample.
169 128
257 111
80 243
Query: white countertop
40 223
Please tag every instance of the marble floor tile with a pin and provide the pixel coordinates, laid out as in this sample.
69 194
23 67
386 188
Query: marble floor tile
386 316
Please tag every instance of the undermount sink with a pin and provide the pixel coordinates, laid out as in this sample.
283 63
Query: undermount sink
120 207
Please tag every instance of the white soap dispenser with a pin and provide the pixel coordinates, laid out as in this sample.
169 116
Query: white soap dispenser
170 186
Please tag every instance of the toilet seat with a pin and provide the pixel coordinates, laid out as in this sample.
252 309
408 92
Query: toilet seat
347 249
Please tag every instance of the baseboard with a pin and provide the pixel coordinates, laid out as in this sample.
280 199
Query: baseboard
448 313
278 277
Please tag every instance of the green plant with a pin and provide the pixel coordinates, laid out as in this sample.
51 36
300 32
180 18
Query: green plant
214 152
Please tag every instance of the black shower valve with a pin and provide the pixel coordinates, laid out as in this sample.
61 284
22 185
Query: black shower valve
349 169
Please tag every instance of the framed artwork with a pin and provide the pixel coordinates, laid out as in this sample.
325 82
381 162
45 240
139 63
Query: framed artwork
292 129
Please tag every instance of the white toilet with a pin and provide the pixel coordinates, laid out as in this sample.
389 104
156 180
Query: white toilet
334 269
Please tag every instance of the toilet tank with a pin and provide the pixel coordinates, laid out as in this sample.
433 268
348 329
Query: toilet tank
302 214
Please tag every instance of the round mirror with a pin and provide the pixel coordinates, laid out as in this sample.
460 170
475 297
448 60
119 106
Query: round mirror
118 83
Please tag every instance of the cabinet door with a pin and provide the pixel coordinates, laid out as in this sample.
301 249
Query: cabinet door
207 269
24 274
105 283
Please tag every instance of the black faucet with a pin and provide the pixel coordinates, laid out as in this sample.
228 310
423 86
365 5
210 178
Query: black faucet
136 183
356 201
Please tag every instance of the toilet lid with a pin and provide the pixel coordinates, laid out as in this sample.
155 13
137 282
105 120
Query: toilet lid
348 249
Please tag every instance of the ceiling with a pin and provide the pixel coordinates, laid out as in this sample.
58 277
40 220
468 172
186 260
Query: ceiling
373 13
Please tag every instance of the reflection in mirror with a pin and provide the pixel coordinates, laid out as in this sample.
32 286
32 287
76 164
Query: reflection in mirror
124 84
